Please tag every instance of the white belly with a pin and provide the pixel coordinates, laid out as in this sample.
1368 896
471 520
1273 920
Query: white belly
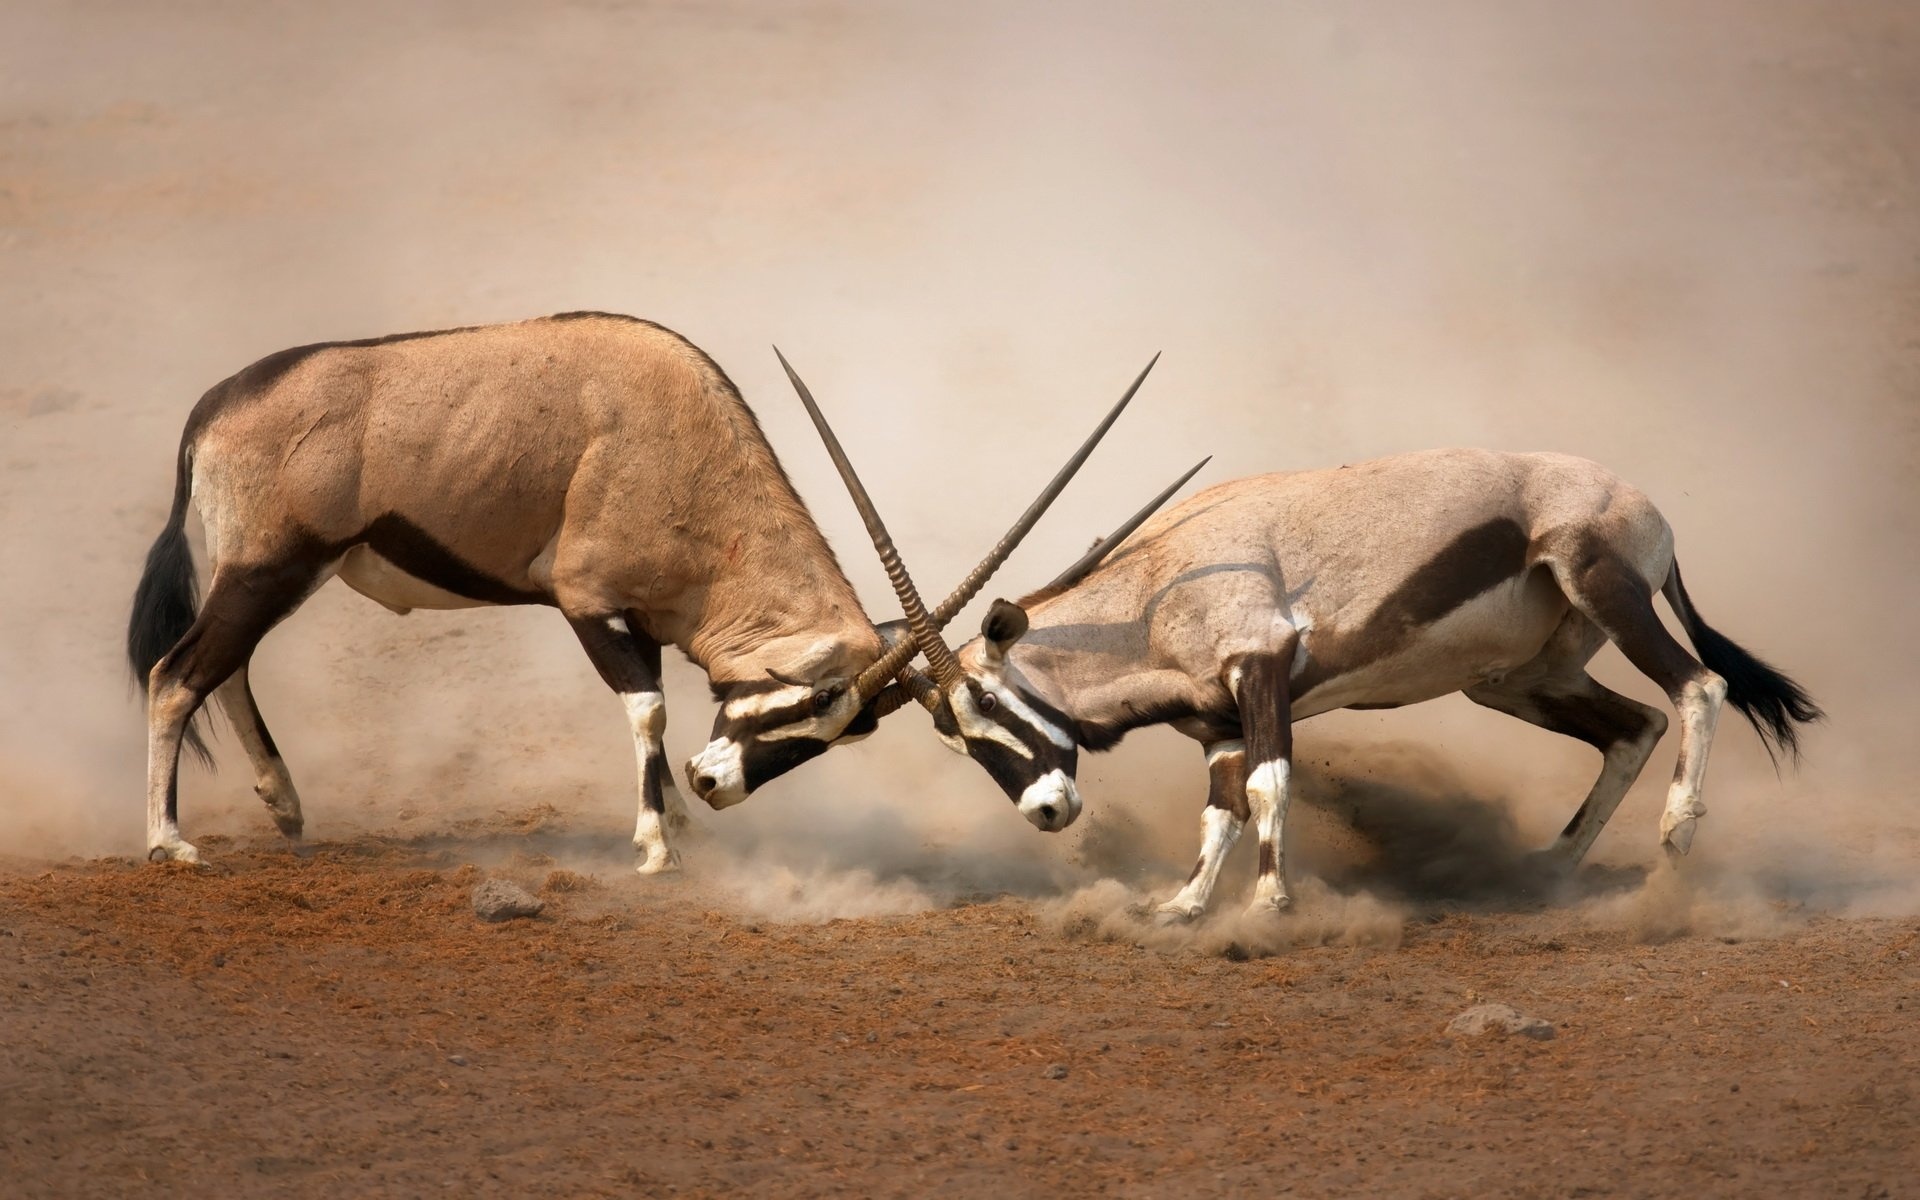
382 582
1481 640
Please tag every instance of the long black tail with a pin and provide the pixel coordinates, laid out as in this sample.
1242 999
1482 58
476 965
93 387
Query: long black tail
167 600
1770 701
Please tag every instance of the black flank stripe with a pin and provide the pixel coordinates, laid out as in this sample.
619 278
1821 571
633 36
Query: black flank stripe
414 551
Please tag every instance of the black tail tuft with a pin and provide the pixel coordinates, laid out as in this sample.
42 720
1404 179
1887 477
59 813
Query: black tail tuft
1772 703
166 602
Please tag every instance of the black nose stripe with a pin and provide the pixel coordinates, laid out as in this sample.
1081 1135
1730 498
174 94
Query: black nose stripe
764 761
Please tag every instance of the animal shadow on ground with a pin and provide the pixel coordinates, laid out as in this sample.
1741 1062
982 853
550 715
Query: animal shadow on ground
1413 830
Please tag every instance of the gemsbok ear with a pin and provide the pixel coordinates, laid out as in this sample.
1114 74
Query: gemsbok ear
1002 627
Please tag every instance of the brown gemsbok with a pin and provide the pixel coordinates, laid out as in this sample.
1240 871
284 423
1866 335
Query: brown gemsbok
1266 600
598 464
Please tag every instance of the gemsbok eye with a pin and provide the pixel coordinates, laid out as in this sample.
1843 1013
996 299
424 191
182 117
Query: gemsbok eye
988 702
822 701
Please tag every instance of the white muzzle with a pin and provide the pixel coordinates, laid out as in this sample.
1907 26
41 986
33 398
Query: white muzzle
718 774
1051 802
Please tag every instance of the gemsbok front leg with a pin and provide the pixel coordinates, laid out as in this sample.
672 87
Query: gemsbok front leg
629 661
1266 718
1220 825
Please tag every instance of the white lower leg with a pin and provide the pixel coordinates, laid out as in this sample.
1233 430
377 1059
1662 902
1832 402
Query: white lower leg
1219 829
167 712
647 714
1268 792
1699 705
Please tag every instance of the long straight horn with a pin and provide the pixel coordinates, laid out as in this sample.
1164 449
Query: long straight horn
971 585
1093 558
946 669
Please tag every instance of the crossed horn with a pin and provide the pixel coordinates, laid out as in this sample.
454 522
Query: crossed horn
925 626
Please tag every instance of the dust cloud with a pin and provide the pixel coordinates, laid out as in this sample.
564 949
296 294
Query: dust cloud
1677 239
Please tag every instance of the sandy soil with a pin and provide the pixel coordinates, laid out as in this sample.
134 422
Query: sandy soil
342 1023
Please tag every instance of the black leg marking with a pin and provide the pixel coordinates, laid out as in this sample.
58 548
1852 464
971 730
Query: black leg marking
1227 784
1267 717
629 662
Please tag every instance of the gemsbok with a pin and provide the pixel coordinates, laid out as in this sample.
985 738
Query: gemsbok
594 463
1267 600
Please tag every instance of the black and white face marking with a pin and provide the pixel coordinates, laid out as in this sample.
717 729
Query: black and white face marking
767 728
1024 743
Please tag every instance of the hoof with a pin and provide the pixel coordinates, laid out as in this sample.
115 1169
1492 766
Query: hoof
291 828
1269 906
660 862
1678 838
181 852
1175 913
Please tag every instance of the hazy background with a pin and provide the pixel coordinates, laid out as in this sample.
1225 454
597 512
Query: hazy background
1680 239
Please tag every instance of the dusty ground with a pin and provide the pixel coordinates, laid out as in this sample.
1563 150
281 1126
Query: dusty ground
343 1024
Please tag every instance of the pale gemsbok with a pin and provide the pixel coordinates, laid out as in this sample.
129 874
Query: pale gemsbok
1266 600
597 464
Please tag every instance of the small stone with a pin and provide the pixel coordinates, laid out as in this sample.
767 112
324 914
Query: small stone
1057 1071
498 900
1486 1018
458 1060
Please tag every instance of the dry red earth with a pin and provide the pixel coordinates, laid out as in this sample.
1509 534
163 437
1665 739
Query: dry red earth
342 1024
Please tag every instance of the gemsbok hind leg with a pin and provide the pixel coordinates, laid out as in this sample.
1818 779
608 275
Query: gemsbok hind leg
1618 599
629 661
242 604
1554 691
271 781
1220 825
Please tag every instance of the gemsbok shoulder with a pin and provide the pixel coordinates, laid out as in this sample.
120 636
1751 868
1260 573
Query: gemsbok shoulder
1267 600
597 464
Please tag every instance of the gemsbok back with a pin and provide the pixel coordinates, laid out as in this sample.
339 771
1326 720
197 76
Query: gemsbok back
597 464
1266 600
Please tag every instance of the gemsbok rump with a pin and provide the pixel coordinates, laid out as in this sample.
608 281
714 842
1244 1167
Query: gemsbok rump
598 464
1266 600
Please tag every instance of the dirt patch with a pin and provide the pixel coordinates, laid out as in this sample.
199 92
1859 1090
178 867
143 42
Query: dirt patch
342 1021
